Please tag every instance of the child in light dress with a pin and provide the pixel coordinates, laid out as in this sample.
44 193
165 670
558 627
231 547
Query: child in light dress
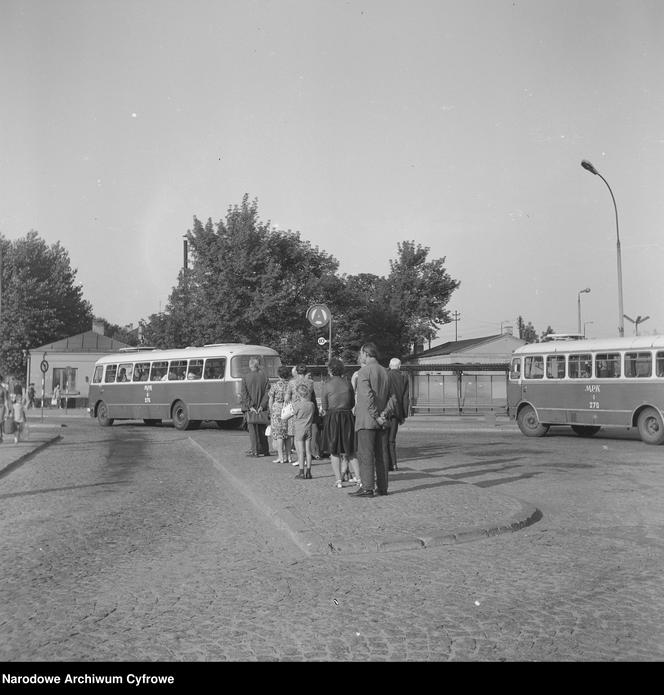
303 415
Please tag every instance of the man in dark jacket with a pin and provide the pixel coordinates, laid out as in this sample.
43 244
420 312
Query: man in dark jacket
255 396
372 398
399 387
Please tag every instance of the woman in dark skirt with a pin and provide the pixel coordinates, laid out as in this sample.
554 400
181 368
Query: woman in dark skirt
337 402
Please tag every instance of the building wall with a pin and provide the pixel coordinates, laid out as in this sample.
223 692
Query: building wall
83 363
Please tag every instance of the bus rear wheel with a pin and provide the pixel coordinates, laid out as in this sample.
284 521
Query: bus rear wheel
102 415
180 415
651 427
529 423
586 430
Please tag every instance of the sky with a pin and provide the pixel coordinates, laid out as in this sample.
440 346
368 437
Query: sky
458 124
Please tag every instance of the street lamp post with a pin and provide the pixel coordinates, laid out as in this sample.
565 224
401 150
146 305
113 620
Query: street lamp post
579 302
621 323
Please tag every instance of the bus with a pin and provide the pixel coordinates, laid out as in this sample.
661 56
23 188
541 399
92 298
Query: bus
187 386
589 384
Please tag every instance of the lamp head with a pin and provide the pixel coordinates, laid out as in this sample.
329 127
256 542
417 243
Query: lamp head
589 167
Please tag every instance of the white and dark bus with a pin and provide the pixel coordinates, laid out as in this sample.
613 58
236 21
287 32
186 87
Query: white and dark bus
589 384
187 386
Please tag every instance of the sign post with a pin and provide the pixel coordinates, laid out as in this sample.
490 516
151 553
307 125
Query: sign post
320 316
43 365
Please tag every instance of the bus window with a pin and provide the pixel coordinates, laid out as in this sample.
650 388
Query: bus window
141 371
195 370
638 364
111 370
159 371
125 372
177 370
555 367
96 377
515 369
579 366
215 368
607 365
533 367
659 364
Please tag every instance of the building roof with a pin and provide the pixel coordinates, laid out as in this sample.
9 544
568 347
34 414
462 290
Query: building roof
90 341
454 347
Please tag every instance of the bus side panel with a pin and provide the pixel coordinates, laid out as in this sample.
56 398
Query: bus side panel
211 400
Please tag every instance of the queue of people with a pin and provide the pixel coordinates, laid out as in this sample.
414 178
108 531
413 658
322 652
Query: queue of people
357 422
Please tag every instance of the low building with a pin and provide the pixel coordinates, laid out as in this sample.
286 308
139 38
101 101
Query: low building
462 376
69 364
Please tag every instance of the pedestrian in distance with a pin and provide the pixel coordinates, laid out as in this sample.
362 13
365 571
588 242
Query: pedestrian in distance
399 388
20 419
31 396
4 405
372 405
55 401
255 389
337 401
303 415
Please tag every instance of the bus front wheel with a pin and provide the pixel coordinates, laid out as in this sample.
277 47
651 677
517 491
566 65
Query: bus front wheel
651 427
102 415
529 423
586 430
180 416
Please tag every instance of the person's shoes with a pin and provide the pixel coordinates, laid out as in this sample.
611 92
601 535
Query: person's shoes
396 468
294 463
362 493
378 493
261 455
277 461
300 476
308 474
338 484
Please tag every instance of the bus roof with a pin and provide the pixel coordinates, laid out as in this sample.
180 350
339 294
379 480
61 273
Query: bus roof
192 352
637 342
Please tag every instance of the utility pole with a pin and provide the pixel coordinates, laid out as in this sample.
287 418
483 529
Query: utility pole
456 317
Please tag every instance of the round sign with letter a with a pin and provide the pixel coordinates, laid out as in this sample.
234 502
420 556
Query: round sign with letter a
318 315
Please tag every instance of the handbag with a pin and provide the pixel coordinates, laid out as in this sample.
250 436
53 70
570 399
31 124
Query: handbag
287 411
268 430
260 418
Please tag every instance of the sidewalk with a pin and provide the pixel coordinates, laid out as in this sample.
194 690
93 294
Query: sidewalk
425 506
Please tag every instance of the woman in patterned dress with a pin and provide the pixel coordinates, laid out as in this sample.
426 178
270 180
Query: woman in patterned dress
279 426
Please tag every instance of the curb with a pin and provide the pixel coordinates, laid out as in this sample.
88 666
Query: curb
312 543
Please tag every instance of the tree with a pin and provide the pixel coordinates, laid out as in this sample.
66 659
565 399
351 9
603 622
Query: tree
548 331
249 283
526 332
40 299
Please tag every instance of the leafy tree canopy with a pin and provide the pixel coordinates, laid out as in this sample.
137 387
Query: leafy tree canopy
252 284
40 300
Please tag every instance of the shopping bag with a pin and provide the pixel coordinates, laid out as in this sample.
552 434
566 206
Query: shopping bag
287 411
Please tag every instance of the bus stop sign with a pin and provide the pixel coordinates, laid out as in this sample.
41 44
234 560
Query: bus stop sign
318 315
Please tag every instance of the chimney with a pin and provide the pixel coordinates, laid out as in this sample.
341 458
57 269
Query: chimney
98 327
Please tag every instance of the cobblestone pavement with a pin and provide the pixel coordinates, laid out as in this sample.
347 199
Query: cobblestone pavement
135 543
